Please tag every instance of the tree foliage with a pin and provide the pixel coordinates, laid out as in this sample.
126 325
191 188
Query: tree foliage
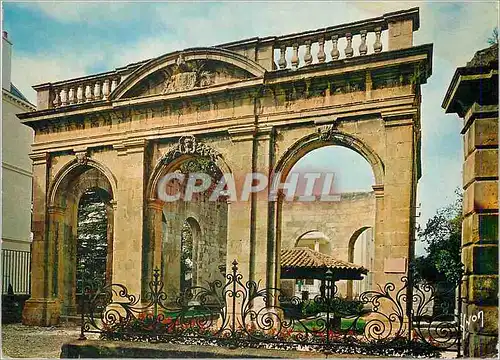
186 256
442 234
92 243
493 39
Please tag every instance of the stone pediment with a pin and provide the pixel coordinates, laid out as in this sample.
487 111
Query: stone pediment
186 72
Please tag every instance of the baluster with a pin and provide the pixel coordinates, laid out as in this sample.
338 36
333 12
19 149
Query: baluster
88 93
56 101
349 52
71 95
308 59
282 61
105 89
97 91
363 49
79 94
335 51
295 56
377 46
64 97
321 51
114 84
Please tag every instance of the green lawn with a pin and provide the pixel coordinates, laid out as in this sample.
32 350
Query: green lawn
346 324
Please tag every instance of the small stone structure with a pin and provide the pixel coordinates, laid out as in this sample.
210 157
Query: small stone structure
473 95
247 107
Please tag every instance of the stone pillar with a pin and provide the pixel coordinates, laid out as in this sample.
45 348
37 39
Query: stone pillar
392 245
63 289
127 249
239 227
473 95
42 309
480 232
152 248
110 213
266 268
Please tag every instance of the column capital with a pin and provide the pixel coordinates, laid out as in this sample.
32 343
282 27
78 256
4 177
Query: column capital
155 204
264 132
242 133
400 117
379 190
130 146
56 210
39 158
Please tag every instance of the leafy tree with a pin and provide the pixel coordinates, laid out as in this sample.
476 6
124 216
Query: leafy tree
92 246
186 256
493 39
442 234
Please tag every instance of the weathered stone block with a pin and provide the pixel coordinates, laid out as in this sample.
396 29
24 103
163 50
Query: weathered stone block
481 319
41 312
480 259
485 132
480 163
483 289
481 195
480 228
400 34
480 345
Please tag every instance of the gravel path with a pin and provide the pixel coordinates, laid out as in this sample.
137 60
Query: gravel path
20 341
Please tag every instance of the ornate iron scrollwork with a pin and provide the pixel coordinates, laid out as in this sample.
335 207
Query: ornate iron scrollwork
238 313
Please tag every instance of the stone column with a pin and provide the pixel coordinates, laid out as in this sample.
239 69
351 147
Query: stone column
110 213
152 248
480 231
42 309
239 227
128 226
266 247
392 242
473 96
62 289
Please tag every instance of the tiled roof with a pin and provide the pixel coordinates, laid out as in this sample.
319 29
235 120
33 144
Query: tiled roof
302 257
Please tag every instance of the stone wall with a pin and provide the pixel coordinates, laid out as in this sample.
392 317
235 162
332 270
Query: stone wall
338 220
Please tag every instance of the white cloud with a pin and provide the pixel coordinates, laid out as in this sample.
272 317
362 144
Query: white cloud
32 70
80 11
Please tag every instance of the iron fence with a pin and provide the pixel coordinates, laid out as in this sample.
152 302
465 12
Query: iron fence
16 275
236 313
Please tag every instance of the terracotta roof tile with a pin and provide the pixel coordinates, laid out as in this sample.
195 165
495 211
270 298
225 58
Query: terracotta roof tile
302 257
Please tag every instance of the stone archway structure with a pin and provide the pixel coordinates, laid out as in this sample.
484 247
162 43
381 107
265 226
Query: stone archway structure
249 109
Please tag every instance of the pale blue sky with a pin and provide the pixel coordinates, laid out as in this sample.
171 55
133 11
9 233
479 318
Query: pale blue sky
55 41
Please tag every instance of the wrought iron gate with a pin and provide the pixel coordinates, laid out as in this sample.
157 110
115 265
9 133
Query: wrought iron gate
236 313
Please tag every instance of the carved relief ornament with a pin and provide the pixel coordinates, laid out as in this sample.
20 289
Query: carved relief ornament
188 145
81 158
186 77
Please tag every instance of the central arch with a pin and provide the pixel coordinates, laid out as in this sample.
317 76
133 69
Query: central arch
326 136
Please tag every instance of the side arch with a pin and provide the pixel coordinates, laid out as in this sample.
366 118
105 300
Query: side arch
352 242
79 167
201 53
331 137
350 258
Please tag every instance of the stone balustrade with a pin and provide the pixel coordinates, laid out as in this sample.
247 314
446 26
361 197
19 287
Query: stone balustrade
321 40
345 41
83 91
